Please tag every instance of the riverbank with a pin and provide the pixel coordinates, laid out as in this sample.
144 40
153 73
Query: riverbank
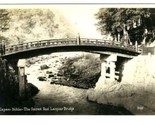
135 92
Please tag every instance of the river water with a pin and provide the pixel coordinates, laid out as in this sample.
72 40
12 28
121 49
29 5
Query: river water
64 100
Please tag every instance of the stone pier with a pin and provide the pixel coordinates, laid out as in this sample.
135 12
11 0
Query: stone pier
108 76
111 60
22 77
102 78
107 62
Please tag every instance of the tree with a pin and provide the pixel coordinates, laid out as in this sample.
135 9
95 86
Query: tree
137 23
4 23
4 20
28 25
31 24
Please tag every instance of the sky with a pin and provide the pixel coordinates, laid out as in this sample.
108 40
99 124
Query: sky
82 18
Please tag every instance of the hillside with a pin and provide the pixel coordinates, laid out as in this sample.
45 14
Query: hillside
27 25
76 69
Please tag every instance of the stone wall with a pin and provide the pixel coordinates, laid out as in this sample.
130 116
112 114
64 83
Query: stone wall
136 90
140 72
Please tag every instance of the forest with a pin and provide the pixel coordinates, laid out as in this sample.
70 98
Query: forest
130 24
25 25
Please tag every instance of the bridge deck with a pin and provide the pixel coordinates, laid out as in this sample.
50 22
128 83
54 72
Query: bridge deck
13 49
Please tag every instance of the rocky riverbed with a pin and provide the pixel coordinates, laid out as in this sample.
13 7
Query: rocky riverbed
59 98
80 70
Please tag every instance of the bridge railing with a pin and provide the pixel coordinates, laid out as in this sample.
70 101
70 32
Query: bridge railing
66 42
107 43
39 44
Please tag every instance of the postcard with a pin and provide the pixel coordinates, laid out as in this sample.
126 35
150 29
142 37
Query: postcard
77 59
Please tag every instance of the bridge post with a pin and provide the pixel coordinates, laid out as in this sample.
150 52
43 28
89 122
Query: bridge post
2 48
22 78
111 60
118 37
103 69
78 39
112 71
136 46
106 62
102 78
1 51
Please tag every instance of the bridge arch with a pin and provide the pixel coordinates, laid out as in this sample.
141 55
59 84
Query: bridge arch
109 51
30 49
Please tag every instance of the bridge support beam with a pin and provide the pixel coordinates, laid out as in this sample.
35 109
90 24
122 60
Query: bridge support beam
22 77
112 71
111 60
102 78
107 62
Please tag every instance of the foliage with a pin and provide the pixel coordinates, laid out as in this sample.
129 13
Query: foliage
4 20
8 84
134 20
4 23
82 71
32 23
25 25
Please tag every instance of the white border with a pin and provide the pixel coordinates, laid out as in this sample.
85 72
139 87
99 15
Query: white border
109 5
77 120
74 1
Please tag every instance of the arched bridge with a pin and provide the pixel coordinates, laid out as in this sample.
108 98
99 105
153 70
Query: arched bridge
25 50
111 53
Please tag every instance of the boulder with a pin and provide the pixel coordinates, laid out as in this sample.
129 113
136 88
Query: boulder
31 90
42 78
42 67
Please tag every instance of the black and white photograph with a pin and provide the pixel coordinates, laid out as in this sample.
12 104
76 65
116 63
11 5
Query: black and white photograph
77 59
